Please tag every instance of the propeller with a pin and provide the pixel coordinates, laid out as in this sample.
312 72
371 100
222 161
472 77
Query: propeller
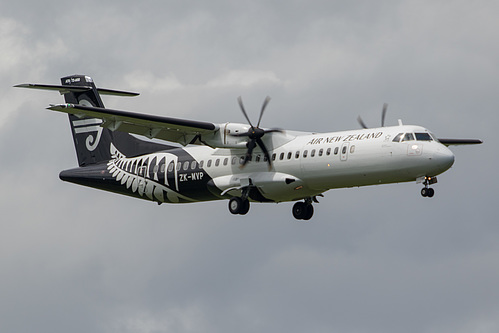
255 134
383 116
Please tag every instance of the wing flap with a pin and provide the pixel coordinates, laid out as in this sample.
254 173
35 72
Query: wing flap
166 128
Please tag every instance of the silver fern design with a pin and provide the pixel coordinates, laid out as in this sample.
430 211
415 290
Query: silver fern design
144 175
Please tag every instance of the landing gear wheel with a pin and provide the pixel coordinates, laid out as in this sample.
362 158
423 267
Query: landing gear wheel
303 211
309 212
427 192
238 206
245 208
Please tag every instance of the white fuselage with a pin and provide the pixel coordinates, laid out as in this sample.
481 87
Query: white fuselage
323 161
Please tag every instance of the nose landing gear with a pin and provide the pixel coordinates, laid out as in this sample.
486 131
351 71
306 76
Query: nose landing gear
427 191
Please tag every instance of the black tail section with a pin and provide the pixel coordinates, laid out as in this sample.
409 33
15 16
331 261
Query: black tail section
92 141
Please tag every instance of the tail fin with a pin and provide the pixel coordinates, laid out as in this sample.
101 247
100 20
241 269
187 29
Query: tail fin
92 141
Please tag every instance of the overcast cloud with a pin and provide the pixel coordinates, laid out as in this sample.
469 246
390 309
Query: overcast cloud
376 259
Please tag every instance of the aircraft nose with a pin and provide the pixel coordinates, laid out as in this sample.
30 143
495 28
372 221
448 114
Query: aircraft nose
444 158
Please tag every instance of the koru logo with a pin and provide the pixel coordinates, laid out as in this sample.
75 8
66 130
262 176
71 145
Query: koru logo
89 126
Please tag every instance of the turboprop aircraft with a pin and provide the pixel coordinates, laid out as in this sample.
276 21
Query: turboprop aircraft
241 163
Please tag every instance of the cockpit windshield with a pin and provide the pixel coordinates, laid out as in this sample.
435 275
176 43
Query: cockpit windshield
420 136
423 137
408 137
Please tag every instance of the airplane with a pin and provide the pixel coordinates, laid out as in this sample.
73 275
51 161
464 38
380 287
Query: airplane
242 163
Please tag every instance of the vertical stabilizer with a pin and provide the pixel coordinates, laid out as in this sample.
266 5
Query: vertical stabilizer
92 141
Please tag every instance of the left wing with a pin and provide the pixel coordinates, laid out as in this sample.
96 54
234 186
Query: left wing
178 130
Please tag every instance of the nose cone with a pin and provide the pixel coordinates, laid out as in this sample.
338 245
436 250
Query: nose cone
444 158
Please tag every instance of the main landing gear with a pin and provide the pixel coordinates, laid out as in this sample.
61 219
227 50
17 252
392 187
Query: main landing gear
304 210
427 191
238 205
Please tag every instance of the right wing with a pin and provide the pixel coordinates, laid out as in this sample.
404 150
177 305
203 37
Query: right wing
178 130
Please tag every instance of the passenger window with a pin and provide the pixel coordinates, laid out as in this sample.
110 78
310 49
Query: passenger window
179 166
321 151
305 153
352 149
289 155
408 137
423 137
257 159
397 137
186 165
209 163
234 160
170 166
336 150
241 160
281 157
297 155
265 158
217 162
273 156
312 153
193 165
201 163
344 150
328 151
226 161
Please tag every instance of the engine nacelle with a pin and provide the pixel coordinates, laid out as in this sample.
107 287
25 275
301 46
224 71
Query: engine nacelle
223 139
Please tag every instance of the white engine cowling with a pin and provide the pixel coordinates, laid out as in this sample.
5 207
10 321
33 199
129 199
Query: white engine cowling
274 186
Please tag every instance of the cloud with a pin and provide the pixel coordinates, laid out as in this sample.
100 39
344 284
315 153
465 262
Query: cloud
377 259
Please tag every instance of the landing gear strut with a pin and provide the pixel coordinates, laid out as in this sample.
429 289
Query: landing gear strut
427 191
303 210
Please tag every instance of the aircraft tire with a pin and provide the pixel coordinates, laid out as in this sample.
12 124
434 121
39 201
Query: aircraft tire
431 192
236 205
301 211
309 212
245 207
424 192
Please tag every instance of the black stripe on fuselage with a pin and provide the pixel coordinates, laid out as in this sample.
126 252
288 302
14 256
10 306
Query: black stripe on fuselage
165 176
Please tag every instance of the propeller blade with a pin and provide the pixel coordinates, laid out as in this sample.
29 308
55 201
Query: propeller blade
383 114
240 101
273 130
265 102
249 152
361 122
265 151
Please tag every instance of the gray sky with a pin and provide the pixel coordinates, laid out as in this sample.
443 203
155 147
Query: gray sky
377 259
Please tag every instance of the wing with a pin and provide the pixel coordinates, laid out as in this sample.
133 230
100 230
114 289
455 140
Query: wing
459 142
178 130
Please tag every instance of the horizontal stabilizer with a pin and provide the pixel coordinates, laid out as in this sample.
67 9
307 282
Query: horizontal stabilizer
64 89
459 142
